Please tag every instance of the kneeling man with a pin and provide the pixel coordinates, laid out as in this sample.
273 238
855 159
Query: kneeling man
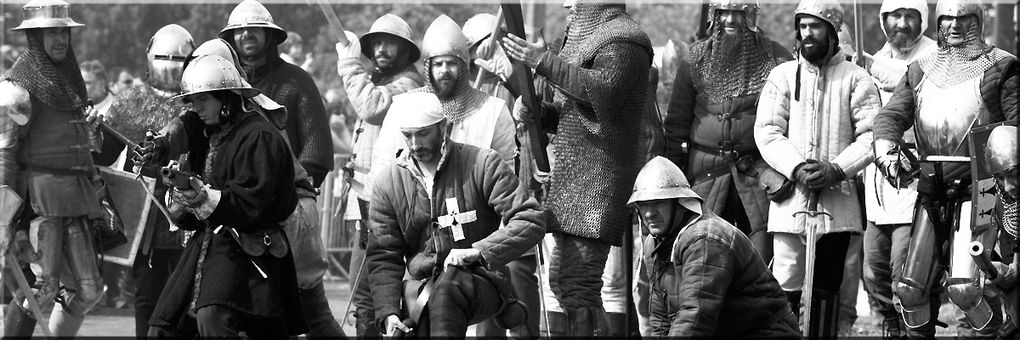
441 206
707 275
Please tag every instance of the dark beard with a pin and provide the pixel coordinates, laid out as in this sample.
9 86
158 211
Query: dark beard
815 54
445 92
730 44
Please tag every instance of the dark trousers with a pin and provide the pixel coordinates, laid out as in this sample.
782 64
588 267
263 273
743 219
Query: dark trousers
885 250
522 271
364 310
217 321
459 299
151 273
733 212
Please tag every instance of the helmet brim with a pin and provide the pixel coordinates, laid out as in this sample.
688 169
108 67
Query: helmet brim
246 92
278 32
47 23
665 193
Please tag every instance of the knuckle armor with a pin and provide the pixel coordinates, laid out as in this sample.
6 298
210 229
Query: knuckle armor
968 294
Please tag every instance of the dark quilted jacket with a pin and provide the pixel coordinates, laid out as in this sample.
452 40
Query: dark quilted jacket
403 220
712 282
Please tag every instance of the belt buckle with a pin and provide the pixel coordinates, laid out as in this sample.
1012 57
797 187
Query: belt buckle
266 239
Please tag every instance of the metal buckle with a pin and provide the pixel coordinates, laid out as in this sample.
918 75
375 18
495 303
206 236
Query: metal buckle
266 239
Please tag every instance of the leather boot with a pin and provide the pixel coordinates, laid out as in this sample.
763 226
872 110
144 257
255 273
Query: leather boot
18 322
793 297
318 315
64 324
617 325
824 315
365 324
892 326
557 326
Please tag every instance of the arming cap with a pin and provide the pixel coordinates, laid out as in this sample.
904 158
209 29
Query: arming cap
444 37
829 10
661 179
1001 148
250 13
393 25
209 73
46 14
427 110
167 51
959 8
921 6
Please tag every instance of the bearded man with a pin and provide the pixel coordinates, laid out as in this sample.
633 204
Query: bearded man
890 206
814 127
710 122
388 44
46 165
478 119
254 35
598 81
964 83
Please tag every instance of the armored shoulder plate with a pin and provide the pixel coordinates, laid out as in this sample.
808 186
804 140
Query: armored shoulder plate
15 102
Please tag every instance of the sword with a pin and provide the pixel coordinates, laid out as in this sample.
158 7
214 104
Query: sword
814 220
333 20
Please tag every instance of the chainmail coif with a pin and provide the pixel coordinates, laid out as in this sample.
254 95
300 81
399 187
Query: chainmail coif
951 65
57 85
721 72
465 100
1009 218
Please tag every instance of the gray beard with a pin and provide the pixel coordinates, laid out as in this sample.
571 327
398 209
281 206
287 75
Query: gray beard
903 43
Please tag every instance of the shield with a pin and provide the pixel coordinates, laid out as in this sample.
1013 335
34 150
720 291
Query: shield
983 185
131 205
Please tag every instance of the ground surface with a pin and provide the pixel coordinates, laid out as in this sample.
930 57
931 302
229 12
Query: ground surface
106 321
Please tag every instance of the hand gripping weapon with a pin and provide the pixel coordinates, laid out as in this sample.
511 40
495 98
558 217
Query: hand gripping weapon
521 83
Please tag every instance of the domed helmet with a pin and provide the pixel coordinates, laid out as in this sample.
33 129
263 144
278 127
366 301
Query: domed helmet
444 37
661 179
828 10
221 48
209 73
250 13
46 14
392 25
1001 149
166 53
959 8
478 28
749 7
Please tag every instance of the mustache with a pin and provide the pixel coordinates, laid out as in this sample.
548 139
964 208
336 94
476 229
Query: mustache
383 55
810 40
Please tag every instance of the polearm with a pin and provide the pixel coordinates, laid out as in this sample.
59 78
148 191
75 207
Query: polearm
858 39
521 84
333 20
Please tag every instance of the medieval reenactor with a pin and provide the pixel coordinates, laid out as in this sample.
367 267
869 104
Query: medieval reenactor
1001 160
598 80
477 118
254 35
458 215
147 108
965 83
388 44
710 122
889 207
45 161
236 275
711 278
813 127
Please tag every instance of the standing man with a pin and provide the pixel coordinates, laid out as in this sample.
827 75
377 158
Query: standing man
254 35
963 84
478 119
889 207
388 44
45 160
710 122
599 80
453 214
814 127
137 110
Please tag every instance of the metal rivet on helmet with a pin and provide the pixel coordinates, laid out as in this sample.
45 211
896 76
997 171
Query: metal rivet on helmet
250 13
829 10
749 7
46 14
